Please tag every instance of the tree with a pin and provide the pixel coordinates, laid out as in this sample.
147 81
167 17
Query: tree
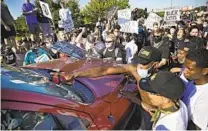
20 25
161 14
99 9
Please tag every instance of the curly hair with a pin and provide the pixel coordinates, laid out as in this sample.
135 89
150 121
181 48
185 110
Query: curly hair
200 56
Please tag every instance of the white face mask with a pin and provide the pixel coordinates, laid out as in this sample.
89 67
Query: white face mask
143 72
48 45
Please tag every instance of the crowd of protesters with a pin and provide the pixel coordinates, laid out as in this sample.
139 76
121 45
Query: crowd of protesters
170 65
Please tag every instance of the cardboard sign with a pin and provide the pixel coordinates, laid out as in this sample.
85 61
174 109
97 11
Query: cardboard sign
124 20
151 19
169 24
42 58
45 9
69 49
111 13
172 15
130 27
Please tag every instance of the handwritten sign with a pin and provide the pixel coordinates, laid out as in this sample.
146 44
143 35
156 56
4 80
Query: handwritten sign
151 19
111 13
69 49
172 15
124 20
45 9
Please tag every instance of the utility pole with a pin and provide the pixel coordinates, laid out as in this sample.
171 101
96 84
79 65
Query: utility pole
171 4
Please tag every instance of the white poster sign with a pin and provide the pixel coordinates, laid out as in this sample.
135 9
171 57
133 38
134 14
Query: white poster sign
124 20
45 9
42 58
172 15
151 19
130 27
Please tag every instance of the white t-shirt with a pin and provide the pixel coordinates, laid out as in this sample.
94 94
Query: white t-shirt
174 121
198 107
133 48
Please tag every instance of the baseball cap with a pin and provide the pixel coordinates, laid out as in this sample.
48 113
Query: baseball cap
148 54
164 83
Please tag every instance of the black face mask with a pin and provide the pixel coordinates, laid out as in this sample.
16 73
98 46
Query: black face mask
200 26
35 50
157 39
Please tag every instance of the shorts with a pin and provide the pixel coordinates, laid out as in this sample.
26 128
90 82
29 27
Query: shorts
6 34
33 28
46 28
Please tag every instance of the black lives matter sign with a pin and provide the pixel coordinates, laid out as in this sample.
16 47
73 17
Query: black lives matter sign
172 15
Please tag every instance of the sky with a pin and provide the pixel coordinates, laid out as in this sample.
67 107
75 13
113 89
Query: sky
15 5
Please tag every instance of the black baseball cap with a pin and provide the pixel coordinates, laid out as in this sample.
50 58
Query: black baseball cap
164 83
148 54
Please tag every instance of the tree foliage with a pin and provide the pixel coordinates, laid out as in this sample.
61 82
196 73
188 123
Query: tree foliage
161 14
99 9
20 25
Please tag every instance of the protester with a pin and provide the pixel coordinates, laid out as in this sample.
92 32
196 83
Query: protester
195 76
131 49
29 11
163 46
147 60
65 16
111 52
164 90
35 55
177 63
9 56
194 38
44 21
8 32
91 48
180 38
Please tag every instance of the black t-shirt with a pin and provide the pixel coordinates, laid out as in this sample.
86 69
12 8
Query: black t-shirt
10 58
196 42
116 53
163 46
175 63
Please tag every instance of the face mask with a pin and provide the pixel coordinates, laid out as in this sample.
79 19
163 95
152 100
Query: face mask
48 45
157 39
181 61
144 72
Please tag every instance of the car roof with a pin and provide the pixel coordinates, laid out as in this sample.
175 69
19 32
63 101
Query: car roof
109 83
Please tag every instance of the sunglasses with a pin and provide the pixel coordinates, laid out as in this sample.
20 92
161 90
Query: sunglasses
108 41
156 36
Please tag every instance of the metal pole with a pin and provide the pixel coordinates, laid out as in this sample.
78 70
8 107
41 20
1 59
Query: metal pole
171 4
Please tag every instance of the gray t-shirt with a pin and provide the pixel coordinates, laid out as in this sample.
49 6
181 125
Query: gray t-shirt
5 14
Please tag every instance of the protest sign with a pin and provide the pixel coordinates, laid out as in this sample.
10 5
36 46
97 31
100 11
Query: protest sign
151 19
124 20
69 49
172 15
111 13
45 9
130 27
169 24
42 58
